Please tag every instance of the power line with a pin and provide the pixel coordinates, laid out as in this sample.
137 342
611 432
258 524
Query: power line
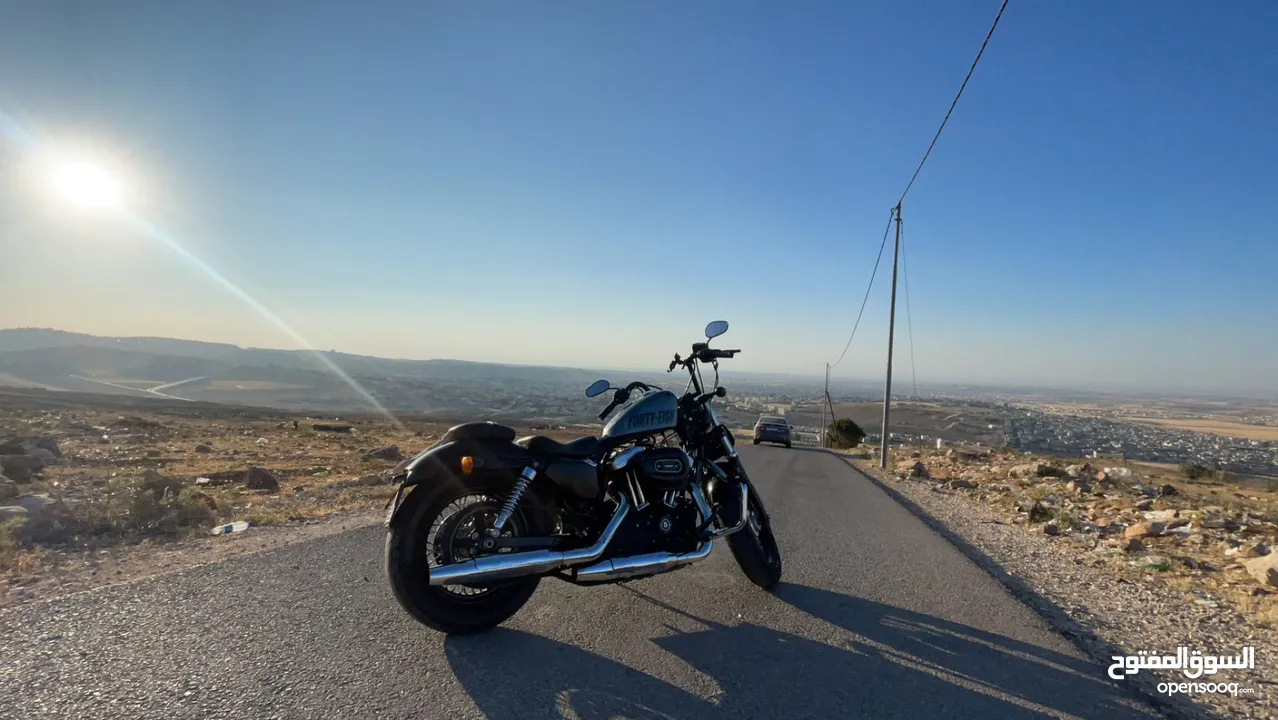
909 321
882 245
956 99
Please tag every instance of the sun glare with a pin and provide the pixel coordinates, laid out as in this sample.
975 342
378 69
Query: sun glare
86 185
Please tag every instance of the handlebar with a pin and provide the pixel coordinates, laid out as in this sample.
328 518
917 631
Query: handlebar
623 395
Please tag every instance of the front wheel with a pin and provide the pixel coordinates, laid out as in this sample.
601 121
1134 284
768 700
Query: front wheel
754 547
441 527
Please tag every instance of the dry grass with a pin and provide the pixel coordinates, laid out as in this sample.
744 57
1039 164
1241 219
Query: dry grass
101 498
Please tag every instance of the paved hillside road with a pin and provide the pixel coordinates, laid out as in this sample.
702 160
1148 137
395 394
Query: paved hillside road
877 617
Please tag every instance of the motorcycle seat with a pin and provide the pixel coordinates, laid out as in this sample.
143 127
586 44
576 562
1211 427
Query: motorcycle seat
543 446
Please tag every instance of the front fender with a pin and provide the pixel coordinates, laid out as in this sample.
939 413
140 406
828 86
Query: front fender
440 467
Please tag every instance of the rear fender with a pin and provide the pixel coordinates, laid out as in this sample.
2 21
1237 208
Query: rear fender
440 468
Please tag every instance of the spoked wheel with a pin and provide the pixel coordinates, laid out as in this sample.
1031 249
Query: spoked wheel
755 549
440 528
458 535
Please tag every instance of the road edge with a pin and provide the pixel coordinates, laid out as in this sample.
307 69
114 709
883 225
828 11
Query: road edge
1090 644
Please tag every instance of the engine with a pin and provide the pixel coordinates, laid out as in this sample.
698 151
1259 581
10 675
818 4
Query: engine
658 527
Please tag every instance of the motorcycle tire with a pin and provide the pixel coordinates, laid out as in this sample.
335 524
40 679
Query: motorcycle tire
754 547
407 562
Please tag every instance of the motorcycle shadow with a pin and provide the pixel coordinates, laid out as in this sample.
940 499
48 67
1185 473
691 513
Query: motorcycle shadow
896 664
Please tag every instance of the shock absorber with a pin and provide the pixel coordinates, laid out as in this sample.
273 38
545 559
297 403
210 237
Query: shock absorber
512 500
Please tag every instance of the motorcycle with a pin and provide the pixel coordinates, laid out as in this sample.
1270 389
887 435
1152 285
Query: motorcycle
479 518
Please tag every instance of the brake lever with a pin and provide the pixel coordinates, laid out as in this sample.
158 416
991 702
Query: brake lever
673 364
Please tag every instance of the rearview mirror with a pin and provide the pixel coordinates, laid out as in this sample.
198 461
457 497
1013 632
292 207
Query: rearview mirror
716 328
597 387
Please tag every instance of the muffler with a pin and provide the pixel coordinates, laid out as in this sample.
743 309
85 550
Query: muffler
649 564
537 562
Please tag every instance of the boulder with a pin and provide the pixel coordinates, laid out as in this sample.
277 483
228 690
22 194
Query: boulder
961 484
21 468
389 452
203 449
1145 504
1051 528
1133 545
1032 470
370 480
911 468
158 485
1074 470
1167 490
1264 569
259 478
153 453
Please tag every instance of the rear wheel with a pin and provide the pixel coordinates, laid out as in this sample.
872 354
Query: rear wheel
754 547
440 527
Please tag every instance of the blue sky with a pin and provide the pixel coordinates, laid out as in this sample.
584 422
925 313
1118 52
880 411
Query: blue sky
589 183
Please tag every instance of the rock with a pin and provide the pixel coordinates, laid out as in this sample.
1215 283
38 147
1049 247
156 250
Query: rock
911 468
104 440
1031 470
1157 562
1051 528
1161 515
1133 545
1167 490
389 452
961 484
8 489
326 427
153 453
159 485
1143 529
259 478
34 504
203 449
997 487
295 425
1253 550
1264 569
1145 504
1074 470
370 480
1041 512
1076 486
21 468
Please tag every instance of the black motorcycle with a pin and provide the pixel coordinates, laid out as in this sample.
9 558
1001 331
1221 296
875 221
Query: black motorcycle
480 517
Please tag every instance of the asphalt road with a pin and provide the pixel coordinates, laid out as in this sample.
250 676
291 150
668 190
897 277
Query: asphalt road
877 616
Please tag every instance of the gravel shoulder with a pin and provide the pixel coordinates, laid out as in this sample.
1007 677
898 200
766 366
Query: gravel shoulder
125 564
1104 613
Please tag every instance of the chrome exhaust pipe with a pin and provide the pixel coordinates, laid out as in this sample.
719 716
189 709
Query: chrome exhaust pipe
536 562
649 564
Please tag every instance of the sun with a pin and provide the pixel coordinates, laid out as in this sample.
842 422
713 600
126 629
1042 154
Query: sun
85 184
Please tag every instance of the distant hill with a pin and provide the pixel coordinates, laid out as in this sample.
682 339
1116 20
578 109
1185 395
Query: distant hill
33 339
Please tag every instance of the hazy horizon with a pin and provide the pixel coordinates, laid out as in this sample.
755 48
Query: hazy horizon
902 383
542 185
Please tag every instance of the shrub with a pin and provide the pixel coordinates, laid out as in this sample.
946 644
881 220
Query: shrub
1194 471
844 433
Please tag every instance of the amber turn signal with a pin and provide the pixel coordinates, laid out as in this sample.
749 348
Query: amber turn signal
467 465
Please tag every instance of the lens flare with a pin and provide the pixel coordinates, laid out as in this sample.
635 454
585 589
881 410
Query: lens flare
91 186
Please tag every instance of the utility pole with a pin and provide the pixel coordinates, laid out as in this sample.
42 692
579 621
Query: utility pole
823 402
887 389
